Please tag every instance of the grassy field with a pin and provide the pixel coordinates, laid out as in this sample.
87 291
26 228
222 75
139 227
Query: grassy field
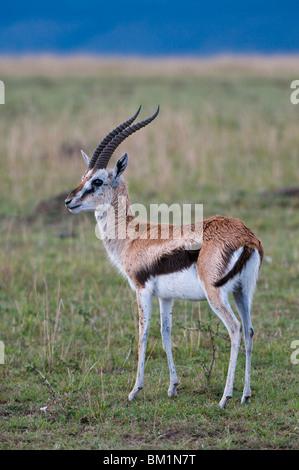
227 136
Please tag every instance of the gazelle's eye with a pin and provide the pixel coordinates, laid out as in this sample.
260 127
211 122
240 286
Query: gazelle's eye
97 182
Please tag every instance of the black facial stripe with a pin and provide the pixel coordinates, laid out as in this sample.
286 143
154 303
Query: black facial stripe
88 191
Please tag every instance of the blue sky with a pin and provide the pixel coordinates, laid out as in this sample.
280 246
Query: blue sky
150 27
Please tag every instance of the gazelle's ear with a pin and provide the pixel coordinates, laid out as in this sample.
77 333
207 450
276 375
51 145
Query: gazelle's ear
86 159
120 167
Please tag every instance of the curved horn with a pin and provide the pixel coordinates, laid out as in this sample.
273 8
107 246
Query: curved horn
109 137
106 154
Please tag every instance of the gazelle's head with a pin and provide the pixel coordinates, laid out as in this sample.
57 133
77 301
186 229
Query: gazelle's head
99 183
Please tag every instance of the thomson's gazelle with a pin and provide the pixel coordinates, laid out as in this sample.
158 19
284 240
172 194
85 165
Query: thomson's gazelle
226 259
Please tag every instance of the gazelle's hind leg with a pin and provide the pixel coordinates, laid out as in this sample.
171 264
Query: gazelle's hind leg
243 306
166 322
243 294
219 303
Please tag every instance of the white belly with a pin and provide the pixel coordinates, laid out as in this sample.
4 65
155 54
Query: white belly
184 285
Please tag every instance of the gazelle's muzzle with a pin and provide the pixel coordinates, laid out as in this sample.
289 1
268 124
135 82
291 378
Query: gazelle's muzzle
70 201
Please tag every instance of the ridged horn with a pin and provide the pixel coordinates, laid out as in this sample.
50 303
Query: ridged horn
107 152
109 137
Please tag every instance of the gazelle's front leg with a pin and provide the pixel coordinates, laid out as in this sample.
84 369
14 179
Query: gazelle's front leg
144 300
166 323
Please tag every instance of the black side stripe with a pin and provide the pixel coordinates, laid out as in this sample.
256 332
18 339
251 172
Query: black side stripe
173 262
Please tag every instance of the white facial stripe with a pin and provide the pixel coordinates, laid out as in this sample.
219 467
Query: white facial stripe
86 174
88 186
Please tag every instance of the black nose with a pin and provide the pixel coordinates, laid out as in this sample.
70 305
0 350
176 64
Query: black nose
68 201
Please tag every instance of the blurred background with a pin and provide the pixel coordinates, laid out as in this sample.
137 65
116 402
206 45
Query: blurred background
227 136
150 27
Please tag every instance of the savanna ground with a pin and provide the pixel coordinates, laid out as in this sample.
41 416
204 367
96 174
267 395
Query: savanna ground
227 136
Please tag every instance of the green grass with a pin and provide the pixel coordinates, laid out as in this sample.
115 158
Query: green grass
221 140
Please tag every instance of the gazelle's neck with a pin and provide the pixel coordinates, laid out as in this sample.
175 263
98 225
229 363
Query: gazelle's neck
112 223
